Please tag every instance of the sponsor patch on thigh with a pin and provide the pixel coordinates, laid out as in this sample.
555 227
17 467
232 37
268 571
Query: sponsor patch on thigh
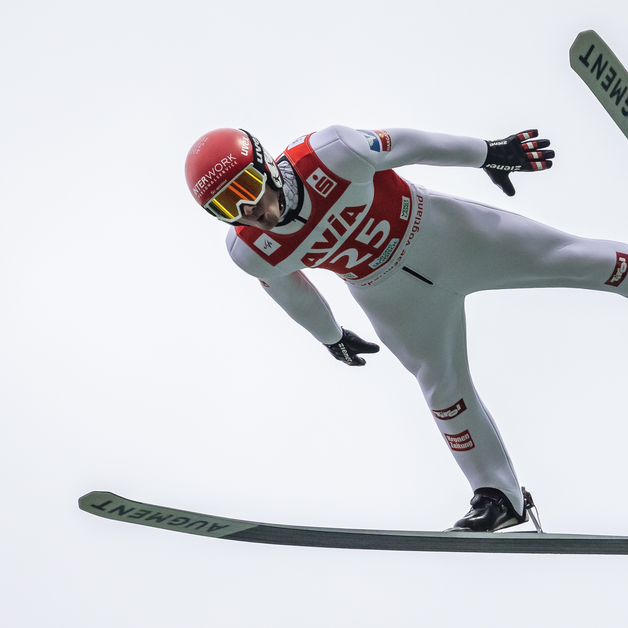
449 413
460 442
621 269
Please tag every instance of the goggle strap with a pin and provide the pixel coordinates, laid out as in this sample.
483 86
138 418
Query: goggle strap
259 161
258 151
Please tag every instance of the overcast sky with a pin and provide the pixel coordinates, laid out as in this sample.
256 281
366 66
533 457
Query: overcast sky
136 358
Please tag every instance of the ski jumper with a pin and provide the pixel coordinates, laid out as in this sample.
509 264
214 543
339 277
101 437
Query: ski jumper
410 256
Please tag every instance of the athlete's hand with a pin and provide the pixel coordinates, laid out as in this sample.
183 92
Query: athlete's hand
517 153
347 348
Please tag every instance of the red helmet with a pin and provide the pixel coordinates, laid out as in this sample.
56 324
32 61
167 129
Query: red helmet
227 168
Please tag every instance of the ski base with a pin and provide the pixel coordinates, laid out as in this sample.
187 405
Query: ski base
596 64
110 506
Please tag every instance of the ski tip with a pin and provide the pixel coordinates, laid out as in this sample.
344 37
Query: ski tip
87 499
582 36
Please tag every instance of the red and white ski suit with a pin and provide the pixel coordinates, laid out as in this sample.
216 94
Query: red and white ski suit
410 256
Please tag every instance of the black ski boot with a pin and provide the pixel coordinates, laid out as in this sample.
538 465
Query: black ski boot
490 510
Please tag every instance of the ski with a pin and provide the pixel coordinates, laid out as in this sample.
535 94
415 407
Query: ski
110 506
606 77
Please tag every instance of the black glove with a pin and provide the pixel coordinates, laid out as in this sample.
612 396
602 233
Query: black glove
513 154
347 348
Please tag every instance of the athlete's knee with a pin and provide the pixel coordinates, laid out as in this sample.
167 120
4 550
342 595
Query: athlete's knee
441 385
595 264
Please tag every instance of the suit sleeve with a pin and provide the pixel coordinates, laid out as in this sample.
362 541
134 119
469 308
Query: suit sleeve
360 152
298 297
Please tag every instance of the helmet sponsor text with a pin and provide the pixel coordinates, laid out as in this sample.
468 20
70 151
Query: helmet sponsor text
214 174
246 145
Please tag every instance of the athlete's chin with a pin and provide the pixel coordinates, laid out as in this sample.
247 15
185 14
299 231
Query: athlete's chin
269 222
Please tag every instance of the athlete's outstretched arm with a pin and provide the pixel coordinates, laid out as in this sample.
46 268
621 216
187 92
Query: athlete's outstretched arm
300 299
360 153
411 146
293 292
393 148
307 306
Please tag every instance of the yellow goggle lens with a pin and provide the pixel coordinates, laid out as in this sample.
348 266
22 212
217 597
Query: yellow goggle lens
246 188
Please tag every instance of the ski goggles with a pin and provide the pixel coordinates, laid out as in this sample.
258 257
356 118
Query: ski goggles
245 189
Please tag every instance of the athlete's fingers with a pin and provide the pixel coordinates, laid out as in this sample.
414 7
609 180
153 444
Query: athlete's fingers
347 348
519 152
528 135
540 155
506 186
533 145
501 180
535 166
365 347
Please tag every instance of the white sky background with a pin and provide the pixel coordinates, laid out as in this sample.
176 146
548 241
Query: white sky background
136 358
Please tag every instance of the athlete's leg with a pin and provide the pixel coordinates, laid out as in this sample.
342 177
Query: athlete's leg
424 326
465 247
469 247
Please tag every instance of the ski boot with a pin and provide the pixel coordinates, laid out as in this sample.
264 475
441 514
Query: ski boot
491 510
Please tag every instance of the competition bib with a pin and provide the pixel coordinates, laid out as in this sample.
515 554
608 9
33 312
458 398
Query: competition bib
350 231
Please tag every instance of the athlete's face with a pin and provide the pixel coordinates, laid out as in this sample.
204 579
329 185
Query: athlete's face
265 214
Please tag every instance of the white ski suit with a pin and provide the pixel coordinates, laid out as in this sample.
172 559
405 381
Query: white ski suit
410 256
